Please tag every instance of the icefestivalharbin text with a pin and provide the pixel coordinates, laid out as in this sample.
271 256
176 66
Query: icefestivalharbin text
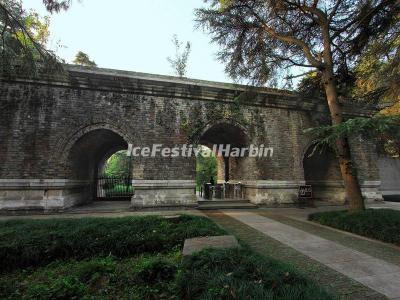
189 150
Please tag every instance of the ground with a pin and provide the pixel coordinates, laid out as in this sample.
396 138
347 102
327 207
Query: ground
346 265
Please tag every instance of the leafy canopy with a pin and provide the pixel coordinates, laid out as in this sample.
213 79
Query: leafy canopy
23 40
260 38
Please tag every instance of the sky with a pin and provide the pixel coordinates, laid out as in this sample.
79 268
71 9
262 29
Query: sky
133 35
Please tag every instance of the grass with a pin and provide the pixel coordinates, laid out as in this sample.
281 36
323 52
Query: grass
38 242
136 258
380 224
243 274
142 277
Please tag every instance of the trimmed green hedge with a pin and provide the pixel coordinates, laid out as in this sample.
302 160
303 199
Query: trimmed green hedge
380 224
25 243
243 274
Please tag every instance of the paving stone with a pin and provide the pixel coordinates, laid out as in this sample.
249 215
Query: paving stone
197 244
384 283
334 282
358 266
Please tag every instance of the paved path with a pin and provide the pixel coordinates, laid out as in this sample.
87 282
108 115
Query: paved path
377 274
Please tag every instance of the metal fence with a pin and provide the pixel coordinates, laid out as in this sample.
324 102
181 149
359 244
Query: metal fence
114 188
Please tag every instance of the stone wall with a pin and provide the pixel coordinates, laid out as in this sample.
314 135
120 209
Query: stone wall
61 129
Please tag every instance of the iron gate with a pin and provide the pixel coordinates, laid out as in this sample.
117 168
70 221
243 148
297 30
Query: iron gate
113 188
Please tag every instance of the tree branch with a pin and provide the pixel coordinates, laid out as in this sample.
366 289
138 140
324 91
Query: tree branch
288 39
23 29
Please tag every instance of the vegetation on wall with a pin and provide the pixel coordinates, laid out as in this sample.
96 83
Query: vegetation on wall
180 61
81 58
198 119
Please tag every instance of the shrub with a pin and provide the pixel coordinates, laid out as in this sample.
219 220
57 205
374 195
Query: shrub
241 274
96 278
380 224
25 243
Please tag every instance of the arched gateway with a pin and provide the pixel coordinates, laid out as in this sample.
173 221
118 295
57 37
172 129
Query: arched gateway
56 133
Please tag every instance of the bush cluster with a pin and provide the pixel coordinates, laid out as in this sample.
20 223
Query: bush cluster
143 277
380 224
136 258
38 242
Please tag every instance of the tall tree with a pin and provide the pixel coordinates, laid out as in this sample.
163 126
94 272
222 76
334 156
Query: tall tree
83 59
260 37
179 62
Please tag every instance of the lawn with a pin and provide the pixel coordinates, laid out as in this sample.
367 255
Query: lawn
380 224
136 258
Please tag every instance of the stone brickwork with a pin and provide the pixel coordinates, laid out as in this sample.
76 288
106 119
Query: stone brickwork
61 129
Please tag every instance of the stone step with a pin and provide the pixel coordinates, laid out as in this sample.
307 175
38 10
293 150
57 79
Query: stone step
223 201
227 206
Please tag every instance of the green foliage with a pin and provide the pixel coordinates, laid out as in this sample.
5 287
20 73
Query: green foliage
311 85
156 269
118 165
384 128
378 70
57 5
83 59
179 62
82 259
380 224
242 274
210 274
23 41
117 189
259 40
25 243
206 166
143 277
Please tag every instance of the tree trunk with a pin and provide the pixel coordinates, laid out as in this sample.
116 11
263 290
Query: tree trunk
352 187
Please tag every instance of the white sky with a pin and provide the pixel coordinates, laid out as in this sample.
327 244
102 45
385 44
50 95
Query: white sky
133 35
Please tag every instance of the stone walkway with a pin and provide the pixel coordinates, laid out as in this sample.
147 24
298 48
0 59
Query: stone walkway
374 273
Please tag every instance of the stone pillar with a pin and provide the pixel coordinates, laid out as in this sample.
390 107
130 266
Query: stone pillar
43 194
366 160
271 192
164 193
220 169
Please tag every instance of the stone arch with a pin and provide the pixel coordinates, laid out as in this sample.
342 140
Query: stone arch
225 132
90 150
102 163
322 171
84 149
67 142
225 123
